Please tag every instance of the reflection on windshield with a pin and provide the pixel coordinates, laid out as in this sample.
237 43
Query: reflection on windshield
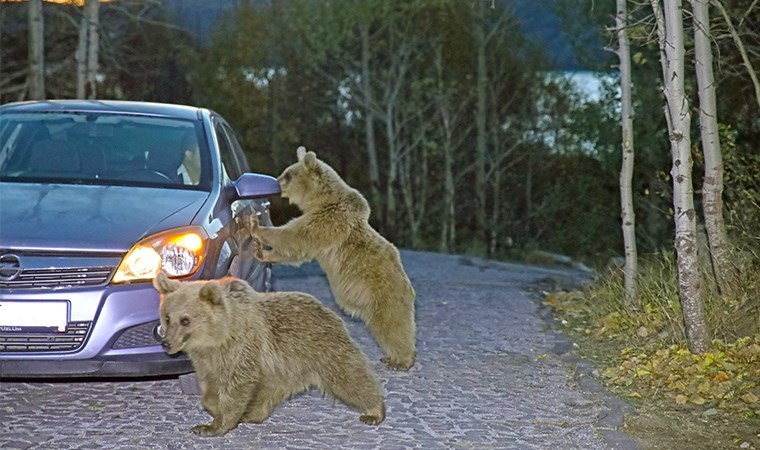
102 149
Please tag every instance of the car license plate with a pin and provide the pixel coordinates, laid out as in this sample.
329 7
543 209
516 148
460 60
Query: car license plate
28 316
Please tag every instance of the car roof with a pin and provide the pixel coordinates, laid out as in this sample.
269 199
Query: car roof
105 106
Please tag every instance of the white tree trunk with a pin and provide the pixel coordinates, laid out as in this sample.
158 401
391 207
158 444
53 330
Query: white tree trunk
480 121
36 51
81 57
684 214
87 51
712 190
369 131
393 163
627 214
92 12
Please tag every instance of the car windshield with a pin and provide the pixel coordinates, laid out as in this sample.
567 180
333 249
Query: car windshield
103 148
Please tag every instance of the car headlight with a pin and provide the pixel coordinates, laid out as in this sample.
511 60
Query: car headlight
177 252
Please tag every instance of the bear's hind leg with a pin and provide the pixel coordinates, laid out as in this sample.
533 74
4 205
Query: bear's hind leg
394 331
360 393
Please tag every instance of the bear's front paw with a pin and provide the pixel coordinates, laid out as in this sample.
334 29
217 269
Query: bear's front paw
248 222
258 249
394 364
207 430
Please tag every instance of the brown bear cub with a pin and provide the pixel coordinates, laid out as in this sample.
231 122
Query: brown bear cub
251 350
364 269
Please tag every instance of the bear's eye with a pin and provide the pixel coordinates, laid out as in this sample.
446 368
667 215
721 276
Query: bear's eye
166 318
184 321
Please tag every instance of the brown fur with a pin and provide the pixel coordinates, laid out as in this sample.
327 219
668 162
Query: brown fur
363 268
251 350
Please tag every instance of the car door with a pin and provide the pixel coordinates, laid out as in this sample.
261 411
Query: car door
238 248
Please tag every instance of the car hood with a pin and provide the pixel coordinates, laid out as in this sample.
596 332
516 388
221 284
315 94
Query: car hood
89 218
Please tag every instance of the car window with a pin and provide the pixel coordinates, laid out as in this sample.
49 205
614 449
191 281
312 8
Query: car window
237 149
103 148
230 163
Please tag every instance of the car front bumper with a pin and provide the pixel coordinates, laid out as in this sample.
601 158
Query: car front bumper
113 330
144 366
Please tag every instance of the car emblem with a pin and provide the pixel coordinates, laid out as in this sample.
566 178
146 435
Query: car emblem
10 267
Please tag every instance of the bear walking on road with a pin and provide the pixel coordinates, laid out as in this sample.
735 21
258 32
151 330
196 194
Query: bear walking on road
251 350
364 269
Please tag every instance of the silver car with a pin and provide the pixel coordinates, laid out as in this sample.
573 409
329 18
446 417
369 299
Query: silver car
97 197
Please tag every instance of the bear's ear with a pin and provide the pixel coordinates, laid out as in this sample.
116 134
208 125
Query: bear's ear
301 152
164 285
310 159
212 293
236 285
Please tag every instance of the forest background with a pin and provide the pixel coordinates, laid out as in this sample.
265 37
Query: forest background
465 135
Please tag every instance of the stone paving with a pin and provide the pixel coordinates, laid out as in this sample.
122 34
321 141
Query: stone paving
490 374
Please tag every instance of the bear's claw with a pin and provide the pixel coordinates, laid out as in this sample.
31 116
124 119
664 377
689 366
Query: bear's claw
370 419
395 365
206 430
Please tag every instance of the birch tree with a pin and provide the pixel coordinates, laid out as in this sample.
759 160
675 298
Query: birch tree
627 214
678 115
36 50
373 167
87 52
451 113
712 189
481 113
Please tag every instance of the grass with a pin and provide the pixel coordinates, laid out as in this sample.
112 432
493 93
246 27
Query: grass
709 400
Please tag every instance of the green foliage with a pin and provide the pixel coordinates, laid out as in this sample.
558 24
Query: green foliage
742 191
290 73
141 55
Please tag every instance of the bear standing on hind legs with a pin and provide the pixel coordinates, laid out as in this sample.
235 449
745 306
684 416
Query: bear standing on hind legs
364 269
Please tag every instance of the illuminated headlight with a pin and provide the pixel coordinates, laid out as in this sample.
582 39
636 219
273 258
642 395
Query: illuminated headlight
177 252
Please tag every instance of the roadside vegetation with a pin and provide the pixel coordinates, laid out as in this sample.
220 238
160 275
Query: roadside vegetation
710 400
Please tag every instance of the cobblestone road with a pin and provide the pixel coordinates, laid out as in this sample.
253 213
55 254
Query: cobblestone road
490 374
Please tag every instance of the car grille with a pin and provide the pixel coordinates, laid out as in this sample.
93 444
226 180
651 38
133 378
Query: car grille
138 336
70 340
59 278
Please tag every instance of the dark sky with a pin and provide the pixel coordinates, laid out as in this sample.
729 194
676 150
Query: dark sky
538 19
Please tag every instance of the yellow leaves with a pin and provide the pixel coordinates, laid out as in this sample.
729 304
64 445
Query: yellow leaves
703 387
725 379
643 332
749 398
697 400
720 377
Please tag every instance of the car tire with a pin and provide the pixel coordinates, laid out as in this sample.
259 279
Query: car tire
189 384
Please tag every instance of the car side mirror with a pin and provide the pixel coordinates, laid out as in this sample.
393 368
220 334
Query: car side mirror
255 185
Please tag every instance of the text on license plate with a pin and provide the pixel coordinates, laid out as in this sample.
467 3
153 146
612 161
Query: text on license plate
34 315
